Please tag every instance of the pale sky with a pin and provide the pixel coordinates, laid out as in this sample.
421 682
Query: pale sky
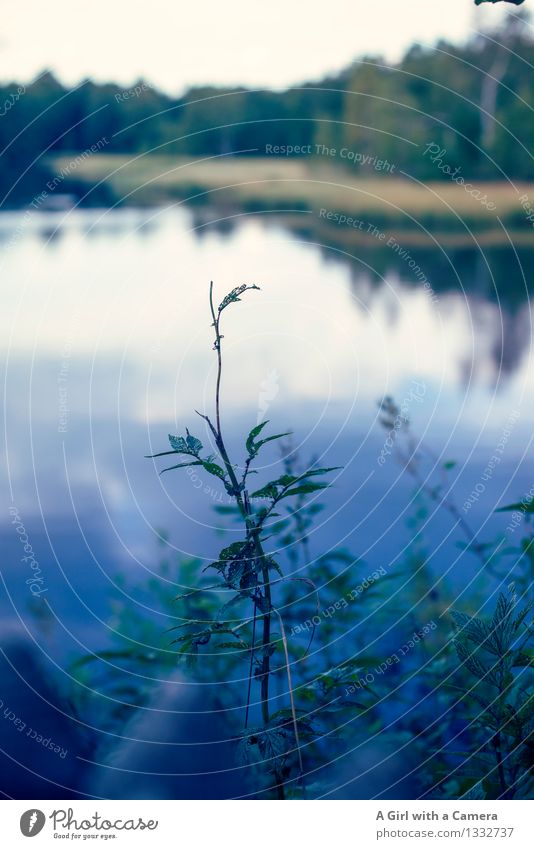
174 44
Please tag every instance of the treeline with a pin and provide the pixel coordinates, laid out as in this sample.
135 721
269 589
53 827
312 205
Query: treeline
474 102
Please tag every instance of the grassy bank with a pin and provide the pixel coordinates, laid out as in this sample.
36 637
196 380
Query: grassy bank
318 188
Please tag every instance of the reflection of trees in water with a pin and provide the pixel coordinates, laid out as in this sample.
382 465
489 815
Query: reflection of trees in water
495 283
501 340
513 340
220 220
502 275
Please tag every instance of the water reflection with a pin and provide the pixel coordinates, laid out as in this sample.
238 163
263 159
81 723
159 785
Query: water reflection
107 346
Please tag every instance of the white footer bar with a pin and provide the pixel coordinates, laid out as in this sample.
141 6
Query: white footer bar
264 825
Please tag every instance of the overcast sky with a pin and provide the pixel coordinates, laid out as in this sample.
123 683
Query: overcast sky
177 43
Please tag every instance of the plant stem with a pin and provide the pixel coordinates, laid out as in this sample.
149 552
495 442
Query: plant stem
251 531
266 640
219 362
291 695
253 646
500 765
497 739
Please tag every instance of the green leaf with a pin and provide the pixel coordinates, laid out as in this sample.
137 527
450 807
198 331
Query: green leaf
182 465
194 444
523 506
252 436
472 662
213 469
159 454
305 489
233 550
233 296
226 509
503 611
324 471
270 438
179 444
236 563
272 564
268 491
252 446
523 615
287 480
473 628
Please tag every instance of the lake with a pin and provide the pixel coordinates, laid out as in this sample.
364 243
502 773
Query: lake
107 346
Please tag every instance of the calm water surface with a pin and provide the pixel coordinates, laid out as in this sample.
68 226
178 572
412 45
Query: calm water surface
107 343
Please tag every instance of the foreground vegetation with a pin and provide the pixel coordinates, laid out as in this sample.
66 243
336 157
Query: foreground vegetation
331 665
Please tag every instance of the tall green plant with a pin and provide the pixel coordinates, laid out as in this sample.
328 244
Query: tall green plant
246 568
